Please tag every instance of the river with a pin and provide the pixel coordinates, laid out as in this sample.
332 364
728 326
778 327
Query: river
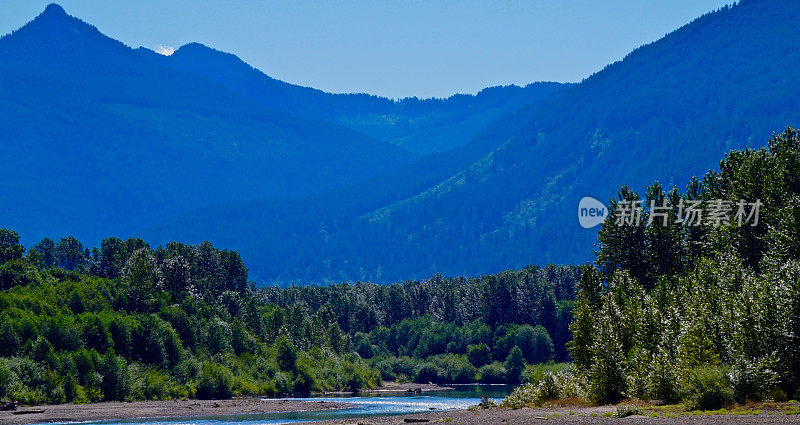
375 404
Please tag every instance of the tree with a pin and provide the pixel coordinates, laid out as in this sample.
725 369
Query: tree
10 338
115 377
286 354
141 276
47 253
112 257
515 364
10 248
623 246
535 343
479 354
176 275
235 271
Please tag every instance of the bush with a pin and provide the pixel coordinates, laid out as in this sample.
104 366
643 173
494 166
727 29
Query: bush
548 382
53 388
216 382
282 383
454 368
304 382
8 380
427 372
493 373
623 411
706 388
752 380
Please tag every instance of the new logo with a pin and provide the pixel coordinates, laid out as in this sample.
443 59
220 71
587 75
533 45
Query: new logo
591 212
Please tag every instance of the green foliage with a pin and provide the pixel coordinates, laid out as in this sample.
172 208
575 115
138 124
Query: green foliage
115 377
535 343
10 247
127 322
285 353
494 373
706 388
623 411
703 314
515 364
546 382
216 382
479 354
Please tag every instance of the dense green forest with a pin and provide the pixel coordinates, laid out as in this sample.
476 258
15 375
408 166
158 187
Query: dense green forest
123 321
707 314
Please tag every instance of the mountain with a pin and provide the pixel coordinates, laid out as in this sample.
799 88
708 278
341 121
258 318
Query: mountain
422 126
99 140
667 111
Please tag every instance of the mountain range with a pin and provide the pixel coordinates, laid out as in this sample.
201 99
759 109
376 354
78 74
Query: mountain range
311 186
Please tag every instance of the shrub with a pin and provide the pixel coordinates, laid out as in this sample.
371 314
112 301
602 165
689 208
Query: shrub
427 372
548 383
7 381
304 381
706 388
282 383
53 388
216 382
623 411
752 380
454 368
493 373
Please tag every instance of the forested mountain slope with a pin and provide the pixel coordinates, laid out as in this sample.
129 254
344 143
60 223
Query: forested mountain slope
96 139
726 80
423 126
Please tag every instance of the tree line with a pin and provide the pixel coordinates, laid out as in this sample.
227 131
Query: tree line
125 321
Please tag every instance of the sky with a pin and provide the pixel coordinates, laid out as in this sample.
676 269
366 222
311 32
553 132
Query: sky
391 48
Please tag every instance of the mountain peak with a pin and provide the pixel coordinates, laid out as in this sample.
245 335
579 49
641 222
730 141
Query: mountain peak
55 17
54 9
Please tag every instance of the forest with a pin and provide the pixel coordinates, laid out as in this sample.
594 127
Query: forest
703 315
124 321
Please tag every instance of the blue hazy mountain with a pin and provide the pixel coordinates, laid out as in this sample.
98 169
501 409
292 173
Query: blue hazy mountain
97 139
423 126
669 110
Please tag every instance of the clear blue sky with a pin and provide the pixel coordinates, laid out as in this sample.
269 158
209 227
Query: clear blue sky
392 48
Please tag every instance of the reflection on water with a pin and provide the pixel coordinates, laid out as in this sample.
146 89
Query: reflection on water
374 404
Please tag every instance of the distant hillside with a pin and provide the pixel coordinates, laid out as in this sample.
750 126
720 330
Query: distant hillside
98 140
423 126
726 80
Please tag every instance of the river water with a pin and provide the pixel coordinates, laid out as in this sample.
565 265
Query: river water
380 404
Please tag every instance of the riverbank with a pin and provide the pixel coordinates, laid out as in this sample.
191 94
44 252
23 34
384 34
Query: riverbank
775 413
409 387
159 409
